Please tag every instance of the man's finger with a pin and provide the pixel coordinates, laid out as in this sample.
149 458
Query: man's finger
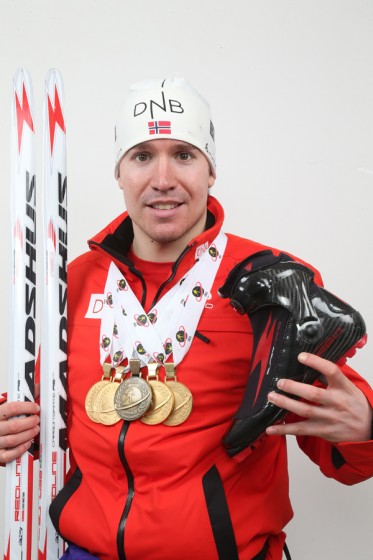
301 428
13 409
298 407
14 440
328 369
8 455
19 425
302 390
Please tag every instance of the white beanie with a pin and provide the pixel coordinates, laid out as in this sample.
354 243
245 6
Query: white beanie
170 109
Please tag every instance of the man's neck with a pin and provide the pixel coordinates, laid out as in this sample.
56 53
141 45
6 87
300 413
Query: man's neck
150 250
164 250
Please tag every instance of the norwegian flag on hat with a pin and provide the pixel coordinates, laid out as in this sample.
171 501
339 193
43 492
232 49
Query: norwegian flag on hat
159 127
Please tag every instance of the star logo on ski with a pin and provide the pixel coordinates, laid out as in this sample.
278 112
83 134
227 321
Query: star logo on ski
55 117
23 115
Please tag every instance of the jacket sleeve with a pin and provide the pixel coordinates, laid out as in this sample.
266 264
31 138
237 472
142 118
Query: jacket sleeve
347 462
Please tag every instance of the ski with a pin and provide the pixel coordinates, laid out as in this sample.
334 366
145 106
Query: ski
53 364
22 328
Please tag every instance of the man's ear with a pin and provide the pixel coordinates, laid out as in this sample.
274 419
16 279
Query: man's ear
119 181
211 180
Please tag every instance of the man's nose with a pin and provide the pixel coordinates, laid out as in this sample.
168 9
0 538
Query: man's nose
163 177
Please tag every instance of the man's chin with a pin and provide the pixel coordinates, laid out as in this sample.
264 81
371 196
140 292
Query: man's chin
165 239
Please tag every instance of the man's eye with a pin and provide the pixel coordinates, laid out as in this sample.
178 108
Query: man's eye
141 157
185 156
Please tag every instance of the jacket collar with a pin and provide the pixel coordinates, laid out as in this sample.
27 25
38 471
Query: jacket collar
116 239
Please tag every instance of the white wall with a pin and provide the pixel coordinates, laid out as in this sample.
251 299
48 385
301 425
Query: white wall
291 87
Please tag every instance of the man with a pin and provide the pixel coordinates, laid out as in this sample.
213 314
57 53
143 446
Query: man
157 376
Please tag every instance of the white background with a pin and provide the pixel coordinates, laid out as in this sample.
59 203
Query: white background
291 88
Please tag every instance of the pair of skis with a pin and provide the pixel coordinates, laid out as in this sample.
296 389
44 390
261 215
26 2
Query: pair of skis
24 318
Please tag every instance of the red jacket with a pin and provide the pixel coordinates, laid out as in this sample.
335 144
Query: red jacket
140 492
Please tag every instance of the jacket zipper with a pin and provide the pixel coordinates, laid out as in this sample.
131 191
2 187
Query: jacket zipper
174 268
126 425
130 492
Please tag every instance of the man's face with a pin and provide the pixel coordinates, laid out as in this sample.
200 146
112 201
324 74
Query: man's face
165 185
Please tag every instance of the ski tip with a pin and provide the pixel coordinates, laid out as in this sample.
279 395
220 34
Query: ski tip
21 80
54 87
21 72
54 76
22 107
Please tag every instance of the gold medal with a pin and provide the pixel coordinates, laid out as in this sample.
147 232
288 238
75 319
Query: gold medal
93 392
162 399
104 403
183 398
133 396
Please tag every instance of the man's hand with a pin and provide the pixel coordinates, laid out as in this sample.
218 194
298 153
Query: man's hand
16 434
338 413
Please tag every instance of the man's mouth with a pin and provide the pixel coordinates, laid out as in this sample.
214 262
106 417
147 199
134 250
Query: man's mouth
164 206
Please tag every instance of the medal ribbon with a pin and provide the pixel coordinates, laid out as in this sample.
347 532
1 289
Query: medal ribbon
128 331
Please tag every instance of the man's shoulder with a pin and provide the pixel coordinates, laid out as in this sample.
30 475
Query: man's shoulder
241 247
82 260
87 262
